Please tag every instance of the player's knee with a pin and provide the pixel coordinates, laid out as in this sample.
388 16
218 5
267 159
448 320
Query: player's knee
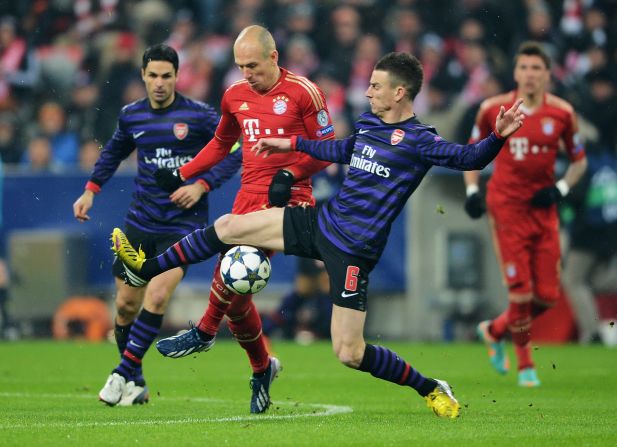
225 227
157 301
127 308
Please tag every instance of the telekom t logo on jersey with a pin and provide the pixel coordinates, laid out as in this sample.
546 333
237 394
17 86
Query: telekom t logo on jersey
519 147
253 131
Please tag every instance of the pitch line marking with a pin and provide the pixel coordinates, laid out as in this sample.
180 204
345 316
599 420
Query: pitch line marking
326 410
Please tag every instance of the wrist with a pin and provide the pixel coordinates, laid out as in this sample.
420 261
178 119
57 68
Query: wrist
563 187
92 187
471 190
204 185
498 134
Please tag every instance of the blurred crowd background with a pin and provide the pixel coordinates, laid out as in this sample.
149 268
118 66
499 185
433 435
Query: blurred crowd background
68 66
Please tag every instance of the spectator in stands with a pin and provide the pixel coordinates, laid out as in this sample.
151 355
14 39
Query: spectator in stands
298 18
18 66
11 151
299 56
82 107
540 28
52 125
492 86
333 90
122 67
404 29
346 26
39 156
598 107
89 153
367 53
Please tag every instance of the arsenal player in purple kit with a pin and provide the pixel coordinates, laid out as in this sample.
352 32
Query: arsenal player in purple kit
389 154
168 130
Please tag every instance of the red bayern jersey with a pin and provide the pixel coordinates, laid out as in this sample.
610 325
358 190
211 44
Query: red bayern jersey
293 106
526 163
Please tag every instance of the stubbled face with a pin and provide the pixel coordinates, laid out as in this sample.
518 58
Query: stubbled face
380 93
531 75
259 70
160 80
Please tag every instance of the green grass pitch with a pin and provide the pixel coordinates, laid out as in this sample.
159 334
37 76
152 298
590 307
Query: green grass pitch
48 397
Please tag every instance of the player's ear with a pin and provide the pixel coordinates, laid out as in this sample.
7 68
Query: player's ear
400 93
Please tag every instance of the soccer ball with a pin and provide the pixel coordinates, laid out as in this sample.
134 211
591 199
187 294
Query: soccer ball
245 269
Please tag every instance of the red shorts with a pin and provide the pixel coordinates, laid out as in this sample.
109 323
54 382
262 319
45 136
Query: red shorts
247 202
527 246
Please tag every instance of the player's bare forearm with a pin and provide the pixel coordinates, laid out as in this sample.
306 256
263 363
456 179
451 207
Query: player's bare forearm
575 172
471 177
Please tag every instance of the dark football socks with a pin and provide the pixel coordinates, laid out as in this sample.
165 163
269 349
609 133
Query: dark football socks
387 365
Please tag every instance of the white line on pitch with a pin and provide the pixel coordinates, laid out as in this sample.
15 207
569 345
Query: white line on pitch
326 410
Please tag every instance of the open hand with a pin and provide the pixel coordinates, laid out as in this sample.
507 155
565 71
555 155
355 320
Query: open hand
82 205
511 120
188 195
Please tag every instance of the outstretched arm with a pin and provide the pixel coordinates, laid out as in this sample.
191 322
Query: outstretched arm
337 151
440 152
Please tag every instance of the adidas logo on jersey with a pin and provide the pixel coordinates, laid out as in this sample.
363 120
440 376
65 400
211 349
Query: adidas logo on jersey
244 106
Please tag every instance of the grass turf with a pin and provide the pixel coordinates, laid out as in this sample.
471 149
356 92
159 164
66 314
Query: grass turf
48 397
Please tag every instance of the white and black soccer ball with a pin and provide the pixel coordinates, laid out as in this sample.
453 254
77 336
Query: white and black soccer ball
245 269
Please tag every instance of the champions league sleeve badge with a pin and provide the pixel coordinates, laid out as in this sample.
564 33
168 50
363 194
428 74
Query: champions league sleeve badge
322 118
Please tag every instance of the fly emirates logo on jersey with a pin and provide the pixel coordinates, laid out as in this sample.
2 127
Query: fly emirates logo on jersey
165 158
363 162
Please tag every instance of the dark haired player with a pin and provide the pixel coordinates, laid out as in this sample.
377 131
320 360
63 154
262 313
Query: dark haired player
521 200
166 129
388 155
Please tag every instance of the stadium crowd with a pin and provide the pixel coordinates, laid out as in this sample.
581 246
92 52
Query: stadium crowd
67 67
